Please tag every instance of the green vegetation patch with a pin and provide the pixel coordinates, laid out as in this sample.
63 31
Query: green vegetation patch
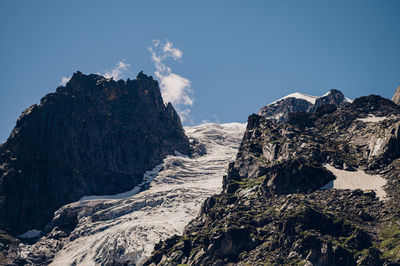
390 245
250 182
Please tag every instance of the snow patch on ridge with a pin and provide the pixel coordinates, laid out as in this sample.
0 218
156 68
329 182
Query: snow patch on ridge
373 119
348 100
309 98
306 97
377 146
31 234
298 95
356 180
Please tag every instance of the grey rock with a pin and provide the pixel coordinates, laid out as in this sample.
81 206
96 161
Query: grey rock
396 96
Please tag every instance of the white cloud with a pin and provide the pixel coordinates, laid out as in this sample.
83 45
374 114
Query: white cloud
117 71
174 88
207 121
64 80
171 51
185 115
216 119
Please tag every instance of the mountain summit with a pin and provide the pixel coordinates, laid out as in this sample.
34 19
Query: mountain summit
94 136
298 102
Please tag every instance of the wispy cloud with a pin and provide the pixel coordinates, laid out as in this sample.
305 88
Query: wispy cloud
216 119
207 121
117 71
64 80
174 88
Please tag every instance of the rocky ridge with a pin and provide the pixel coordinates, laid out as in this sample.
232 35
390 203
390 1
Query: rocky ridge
272 210
297 102
94 136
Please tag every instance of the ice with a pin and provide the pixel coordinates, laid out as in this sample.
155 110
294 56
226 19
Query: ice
124 227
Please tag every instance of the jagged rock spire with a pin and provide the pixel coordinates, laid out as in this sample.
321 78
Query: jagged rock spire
396 96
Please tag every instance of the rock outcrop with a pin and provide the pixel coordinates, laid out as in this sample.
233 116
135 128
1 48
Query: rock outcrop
94 136
297 102
396 96
273 210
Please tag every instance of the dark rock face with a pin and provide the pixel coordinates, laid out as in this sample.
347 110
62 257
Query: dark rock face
94 136
271 193
280 110
296 176
334 97
325 109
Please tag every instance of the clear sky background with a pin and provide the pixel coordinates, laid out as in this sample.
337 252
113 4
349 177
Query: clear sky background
237 55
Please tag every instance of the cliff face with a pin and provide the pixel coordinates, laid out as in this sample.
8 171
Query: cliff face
94 136
277 206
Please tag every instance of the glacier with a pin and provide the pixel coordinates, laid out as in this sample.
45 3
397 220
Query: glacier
120 228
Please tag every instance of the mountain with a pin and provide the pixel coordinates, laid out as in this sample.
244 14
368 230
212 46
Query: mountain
299 102
113 230
321 189
95 136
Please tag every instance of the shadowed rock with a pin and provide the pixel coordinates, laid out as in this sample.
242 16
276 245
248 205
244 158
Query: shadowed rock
94 136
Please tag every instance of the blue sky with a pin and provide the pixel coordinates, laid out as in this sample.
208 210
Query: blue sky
236 55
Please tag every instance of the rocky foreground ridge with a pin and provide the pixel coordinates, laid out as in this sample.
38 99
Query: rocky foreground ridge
272 210
94 136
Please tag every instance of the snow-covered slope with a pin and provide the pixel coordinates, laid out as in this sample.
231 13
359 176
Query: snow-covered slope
309 98
116 229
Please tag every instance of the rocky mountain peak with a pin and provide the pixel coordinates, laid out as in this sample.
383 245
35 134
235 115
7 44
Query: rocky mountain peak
334 97
93 136
298 102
